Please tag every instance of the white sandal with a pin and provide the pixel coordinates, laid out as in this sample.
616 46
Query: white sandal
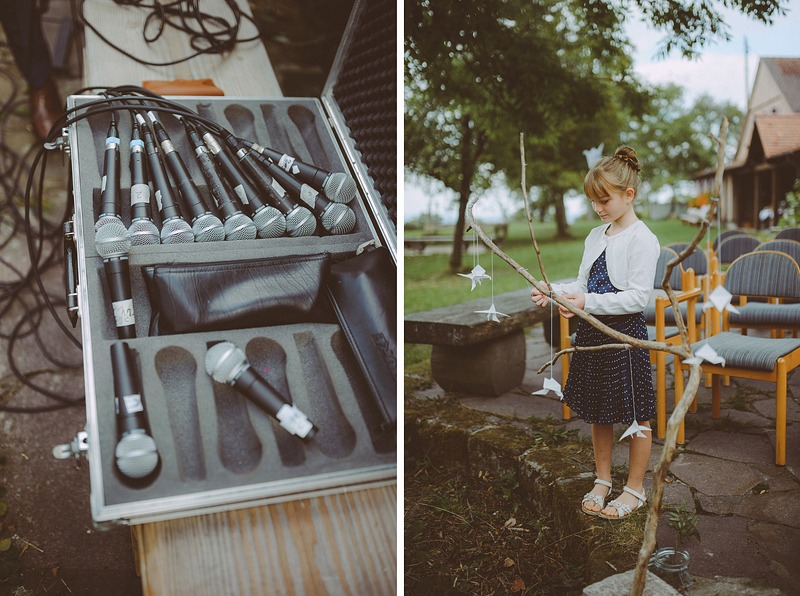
624 510
593 498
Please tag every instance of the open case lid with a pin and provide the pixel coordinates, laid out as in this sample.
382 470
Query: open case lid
360 97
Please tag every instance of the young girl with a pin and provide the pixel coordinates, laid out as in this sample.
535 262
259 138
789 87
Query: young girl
614 283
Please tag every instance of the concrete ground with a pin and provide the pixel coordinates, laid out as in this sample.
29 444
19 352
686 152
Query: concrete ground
747 507
48 542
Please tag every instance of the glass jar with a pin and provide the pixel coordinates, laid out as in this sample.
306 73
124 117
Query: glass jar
672 565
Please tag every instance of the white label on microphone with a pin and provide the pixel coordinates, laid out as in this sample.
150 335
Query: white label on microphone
286 162
295 170
294 420
239 190
278 188
140 193
123 312
103 184
158 199
308 194
133 403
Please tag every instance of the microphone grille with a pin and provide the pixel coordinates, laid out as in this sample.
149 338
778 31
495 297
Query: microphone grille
106 219
270 222
300 222
137 455
338 219
176 231
143 231
340 187
239 227
223 361
208 228
112 240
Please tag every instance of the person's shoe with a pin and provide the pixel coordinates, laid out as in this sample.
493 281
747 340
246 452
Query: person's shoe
624 510
591 497
46 108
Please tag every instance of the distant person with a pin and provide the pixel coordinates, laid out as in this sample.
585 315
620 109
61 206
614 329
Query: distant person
23 28
614 283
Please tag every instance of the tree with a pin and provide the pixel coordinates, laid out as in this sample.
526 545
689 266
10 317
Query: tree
480 71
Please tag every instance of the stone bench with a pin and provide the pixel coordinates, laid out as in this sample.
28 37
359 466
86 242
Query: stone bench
472 354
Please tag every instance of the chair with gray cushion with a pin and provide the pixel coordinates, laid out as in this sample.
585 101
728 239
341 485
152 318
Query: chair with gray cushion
789 247
726 234
789 234
734 247
767 274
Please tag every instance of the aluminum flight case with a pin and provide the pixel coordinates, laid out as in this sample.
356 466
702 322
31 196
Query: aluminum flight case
217 450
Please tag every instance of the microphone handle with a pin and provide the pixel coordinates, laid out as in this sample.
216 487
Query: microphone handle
264 182
140 191
127 396
310 196
259 391
244 189
165 198
221 191
186 186
109 201
119 286
309 174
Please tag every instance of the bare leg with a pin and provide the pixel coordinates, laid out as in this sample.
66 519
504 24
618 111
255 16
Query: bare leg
639 455
602 441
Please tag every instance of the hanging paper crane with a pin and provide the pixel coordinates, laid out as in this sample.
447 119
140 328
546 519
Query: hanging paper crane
636 429
550 384
720 299
491 313
477 275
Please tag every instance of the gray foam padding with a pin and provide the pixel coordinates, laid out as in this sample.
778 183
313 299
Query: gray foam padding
209 437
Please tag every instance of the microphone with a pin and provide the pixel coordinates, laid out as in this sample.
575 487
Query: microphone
337 186
205 225
237 225
142 229
109 184
114 245
136 453
174 229
270 222
226 363
336 218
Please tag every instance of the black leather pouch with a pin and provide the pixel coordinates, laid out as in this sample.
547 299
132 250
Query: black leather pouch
363 292
195 297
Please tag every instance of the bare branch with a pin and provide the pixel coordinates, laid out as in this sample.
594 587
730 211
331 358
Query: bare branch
560 353
528 213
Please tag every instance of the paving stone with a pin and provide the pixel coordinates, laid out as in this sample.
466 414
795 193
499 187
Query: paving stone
724 586
776 507
733 446
746 418
766 407
517 405
621 584
676 493
712 476
780 546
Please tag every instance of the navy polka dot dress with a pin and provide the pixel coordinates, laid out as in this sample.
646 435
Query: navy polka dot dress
598 388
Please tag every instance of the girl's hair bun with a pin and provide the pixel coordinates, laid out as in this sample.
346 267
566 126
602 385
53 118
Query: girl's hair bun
628 155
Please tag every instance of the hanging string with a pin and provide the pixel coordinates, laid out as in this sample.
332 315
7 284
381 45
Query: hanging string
551 335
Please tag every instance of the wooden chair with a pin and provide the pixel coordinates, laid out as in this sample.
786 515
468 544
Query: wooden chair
766 274
734 247
789 234
789 247
723 235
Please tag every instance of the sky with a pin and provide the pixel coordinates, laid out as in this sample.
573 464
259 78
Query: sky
719 71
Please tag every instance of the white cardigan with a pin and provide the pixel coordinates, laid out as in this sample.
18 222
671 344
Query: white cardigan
631 256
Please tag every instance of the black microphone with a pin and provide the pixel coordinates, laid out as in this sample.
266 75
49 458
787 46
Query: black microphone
226 363
136 453
114 245
174 229
237 225
142 229
206 226
337 186
336 218
109 185
270 222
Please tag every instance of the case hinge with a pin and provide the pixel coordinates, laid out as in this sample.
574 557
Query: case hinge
77 448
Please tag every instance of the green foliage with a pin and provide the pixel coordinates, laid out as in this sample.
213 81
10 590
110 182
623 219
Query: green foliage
683 521
791 210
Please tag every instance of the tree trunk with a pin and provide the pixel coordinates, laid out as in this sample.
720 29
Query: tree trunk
470 154
562 227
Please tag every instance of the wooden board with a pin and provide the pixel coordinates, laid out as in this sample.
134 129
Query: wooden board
243 72
337 544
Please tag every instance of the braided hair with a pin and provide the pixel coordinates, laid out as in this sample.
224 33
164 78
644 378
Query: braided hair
613 174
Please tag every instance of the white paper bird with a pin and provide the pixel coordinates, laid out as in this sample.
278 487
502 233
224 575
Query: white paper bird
477 275
550 384
720 299
707 353
635 429
492 314
593 155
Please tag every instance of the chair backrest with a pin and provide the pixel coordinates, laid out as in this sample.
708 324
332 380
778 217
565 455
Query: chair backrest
733 247
789 247
789 234
724 235
765 273
666 255
696 261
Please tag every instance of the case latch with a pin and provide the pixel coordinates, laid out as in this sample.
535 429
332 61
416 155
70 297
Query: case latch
77 448
61 143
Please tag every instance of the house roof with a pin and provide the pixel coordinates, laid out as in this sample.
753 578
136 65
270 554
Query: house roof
786 72
778 133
